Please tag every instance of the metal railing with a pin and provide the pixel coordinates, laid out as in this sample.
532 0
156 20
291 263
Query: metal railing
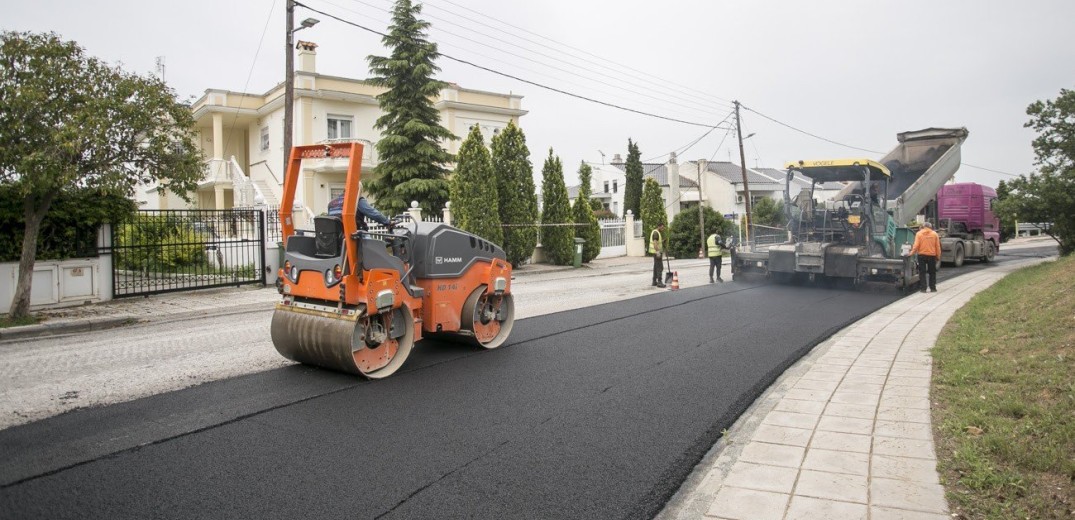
612 232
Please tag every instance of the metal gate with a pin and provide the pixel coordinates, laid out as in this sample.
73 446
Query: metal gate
162 251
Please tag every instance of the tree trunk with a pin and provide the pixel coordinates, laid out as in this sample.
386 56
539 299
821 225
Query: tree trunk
20 305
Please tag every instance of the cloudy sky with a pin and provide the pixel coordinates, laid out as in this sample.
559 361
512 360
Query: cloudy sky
851 72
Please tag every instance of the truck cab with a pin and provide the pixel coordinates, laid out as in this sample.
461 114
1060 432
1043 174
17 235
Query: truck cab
966 223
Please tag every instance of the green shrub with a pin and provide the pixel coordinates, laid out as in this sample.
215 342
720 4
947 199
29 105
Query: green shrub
684 235
69 230
159 242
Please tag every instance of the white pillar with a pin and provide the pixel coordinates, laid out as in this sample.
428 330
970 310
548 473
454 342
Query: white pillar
415 211
448 213
218 136
636 246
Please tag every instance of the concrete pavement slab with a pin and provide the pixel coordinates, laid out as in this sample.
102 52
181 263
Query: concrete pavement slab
870 454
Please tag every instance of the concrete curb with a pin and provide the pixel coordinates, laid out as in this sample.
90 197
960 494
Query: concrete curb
64 327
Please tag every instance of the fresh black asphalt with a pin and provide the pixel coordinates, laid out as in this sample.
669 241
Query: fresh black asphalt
594 413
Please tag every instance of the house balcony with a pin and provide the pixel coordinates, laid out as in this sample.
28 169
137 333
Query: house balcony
369 156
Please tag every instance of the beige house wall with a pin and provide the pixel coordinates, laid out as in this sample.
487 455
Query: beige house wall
237 120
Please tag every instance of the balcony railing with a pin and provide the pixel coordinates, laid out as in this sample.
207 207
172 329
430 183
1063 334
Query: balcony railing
368 151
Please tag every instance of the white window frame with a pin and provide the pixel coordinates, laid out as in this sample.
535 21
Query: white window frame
334 125
264 138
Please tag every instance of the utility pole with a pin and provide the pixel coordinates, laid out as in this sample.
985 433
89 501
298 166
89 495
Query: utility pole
743 163
702 165
289 76
289 81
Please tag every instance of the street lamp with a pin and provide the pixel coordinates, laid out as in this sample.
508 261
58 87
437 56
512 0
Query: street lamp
289 75
702 165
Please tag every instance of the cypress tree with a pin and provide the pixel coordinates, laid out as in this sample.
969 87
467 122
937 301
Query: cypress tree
632 192
653 210
474 193
412 160
517 193
586 226
557 239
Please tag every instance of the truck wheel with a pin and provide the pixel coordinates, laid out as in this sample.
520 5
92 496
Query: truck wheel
990 252
957 261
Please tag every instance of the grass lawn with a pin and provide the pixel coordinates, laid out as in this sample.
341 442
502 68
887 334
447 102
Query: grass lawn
1004 398
6 321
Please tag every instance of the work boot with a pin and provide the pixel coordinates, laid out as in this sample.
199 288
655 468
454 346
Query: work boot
719 279
711 280
923 289
660 285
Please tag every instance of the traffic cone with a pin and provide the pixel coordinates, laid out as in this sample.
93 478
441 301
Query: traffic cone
675 280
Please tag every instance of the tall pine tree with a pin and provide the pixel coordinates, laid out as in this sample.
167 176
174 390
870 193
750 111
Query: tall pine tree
557 232
632 192
412 160
474 194
586 226
518 196
652 210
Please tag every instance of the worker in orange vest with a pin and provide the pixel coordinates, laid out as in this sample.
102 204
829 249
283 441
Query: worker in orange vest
927 245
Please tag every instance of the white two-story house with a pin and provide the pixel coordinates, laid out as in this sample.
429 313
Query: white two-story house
241 134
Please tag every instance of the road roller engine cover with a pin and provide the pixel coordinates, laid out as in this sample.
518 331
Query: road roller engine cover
356 300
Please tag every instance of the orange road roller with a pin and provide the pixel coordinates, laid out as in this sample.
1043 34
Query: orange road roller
356 300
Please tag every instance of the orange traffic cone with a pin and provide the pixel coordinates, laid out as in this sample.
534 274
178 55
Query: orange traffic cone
675 280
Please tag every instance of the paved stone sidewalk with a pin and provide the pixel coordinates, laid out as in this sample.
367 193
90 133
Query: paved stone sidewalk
845 433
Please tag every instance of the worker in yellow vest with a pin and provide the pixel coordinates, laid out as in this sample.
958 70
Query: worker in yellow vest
656 248
715 251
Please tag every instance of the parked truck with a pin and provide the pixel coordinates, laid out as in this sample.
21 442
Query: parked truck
861 234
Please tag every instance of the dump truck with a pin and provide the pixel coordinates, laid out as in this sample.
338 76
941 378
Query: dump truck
357 300
860 235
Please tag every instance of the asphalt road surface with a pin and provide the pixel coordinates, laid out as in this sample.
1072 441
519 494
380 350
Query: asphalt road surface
597 412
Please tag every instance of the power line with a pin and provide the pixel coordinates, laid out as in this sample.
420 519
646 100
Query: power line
695 106
815 136
992 170
261 41
864 149
726 101
688 146
616 70
468 50
516 78
722 139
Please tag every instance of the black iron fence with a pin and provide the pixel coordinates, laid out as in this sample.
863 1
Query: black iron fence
273 234
178 250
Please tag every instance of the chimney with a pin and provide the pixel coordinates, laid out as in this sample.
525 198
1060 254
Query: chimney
307 56
672 158
616 159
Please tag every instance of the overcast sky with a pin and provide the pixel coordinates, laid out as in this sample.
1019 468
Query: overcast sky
853 72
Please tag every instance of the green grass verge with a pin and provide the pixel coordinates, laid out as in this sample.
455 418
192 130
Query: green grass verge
1004 398
6 321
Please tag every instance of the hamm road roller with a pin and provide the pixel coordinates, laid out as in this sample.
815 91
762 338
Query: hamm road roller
356 300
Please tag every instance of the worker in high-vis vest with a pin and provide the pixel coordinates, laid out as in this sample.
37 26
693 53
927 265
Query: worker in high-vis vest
715 251
656 248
